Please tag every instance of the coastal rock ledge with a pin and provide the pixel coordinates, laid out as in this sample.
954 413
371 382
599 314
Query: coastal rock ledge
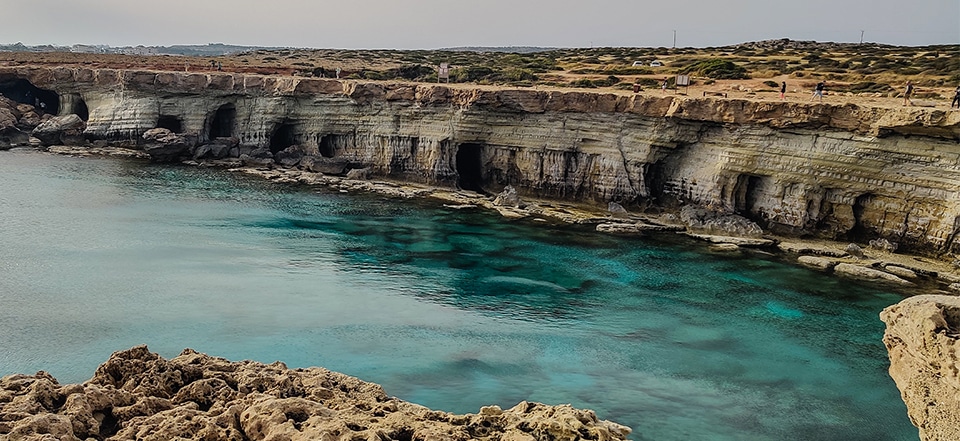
923 341
139 395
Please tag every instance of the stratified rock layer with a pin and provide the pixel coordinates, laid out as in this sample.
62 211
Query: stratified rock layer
838 171
923 340
139 395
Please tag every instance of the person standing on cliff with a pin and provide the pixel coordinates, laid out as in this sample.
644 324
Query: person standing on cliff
907 93
956 98
783 90
818 92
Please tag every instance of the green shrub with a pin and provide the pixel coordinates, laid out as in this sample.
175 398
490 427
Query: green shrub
771 83
717 68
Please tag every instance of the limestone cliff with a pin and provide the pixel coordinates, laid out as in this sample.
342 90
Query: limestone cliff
138 395
923 340
837 171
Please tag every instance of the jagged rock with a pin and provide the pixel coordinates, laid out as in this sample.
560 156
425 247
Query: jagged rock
854 250
703 220
139 395
923 342
864 273
507 198
817 262
883 245
66 129
617 210
165 146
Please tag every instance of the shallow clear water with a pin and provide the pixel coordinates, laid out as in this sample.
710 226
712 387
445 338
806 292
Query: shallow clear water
449 309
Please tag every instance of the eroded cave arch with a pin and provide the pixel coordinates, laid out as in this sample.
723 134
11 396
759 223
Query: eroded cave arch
223 122
284 135
470 167
74 103
171 123
327 146
23 91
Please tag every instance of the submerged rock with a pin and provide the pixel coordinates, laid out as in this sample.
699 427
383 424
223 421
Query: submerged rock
923 343
137 394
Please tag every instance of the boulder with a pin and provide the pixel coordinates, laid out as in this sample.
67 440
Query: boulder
290 156
29 121
855 251
165 146
359 174
327 166
864 273
923 343
60 130
617 210
507 198
884 245
823 263
703 220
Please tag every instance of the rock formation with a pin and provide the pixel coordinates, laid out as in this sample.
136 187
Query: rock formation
838 171
923 341
139 395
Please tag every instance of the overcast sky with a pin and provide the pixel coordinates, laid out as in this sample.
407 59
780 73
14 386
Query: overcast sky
430 24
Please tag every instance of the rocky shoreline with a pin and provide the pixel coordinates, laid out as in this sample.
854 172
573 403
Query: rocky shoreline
875 262
139 395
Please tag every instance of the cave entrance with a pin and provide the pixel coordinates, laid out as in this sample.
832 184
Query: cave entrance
74 103
470 167
23 91
860 232
327 146
170 123
745 195
283 136
223 122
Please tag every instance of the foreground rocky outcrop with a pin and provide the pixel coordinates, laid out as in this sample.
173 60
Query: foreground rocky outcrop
832 170
923 341
139 395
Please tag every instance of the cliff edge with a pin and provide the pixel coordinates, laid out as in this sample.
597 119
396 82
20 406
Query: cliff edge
923 341
139 395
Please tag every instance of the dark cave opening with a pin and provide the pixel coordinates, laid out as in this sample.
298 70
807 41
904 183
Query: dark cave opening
745 195
860 232
283 136
223 122
326 146
470 167
23 91
80 108
171 123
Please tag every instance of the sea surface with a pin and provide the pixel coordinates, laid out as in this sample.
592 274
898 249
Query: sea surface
450 309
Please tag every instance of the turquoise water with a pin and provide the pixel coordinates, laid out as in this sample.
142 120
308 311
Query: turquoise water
449 309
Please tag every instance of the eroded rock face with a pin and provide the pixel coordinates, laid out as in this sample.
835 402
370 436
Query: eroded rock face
139 395
838 171
923 341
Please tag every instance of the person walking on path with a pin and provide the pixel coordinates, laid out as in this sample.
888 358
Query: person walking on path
956 98
818 92
907 93
783 90
663 86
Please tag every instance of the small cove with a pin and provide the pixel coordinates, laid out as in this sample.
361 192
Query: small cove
449 309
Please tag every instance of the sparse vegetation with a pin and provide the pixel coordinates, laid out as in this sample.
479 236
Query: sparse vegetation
758 67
